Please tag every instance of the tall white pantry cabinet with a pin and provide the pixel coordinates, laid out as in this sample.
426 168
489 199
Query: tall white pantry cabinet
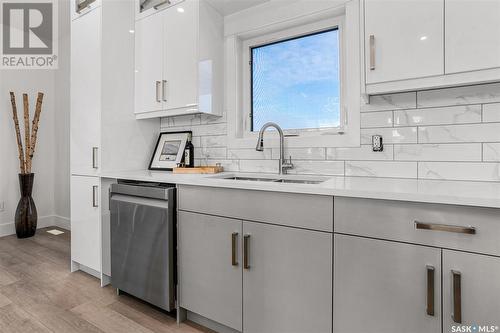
105 136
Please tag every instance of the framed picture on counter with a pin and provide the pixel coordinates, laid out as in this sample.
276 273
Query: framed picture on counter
169 150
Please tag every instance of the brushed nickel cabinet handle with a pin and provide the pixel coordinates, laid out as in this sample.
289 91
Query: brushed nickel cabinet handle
234 241
246 240
157 87
81 5
163 90
95 196
445 227
95 151
166 2
457 297
430 290
372 52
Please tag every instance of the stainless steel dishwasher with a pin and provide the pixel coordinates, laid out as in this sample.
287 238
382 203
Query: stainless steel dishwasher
143 241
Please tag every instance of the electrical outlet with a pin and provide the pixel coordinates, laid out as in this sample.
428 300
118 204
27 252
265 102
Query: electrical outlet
377 144
2 206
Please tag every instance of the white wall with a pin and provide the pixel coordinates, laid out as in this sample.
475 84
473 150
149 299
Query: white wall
51 160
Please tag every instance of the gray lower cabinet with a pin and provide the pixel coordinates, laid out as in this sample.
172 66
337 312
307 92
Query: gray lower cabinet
287 286
385 287
255 277
471 291
210 282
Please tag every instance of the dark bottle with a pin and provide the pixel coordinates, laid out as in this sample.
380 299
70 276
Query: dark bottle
189 155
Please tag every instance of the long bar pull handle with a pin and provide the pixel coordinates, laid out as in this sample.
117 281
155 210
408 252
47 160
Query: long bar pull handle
166 2
81 5
430 290
372 52
445 227
95 151
95 202
163 90
246 240
457 297
234 241
157 87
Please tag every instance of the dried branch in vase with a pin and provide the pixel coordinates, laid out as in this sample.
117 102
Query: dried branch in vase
30 138
36 120
27 144
18 133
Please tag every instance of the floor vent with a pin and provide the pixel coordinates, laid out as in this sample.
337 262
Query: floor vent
55 232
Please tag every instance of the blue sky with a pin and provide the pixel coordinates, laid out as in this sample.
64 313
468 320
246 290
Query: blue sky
296 82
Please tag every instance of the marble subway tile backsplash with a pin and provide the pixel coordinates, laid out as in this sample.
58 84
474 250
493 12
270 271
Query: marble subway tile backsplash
462 114
439 152
486 93
491 152
451 134
491 113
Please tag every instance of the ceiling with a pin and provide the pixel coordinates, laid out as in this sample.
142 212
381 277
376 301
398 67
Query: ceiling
227 7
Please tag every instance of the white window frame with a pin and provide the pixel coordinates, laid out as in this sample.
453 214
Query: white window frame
259 26
283 35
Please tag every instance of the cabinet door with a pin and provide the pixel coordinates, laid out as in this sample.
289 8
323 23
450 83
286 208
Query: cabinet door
471 290
85 228
472 39
210 282
85 93
288 285
180 88
383 287
403 39
148 63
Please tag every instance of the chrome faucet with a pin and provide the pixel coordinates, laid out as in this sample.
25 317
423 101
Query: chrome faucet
284 164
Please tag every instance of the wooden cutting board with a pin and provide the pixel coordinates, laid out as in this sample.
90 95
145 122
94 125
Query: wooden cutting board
200 170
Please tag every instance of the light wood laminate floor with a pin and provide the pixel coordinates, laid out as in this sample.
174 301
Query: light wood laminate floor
39 294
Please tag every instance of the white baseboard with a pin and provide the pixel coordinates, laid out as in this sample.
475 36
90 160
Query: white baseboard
62 222
7 229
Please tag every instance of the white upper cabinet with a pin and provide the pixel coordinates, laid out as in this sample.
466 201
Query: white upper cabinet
179 61
426 44
148 64
403 39
180 70
472 35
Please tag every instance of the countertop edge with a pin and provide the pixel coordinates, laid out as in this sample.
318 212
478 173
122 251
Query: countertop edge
412 190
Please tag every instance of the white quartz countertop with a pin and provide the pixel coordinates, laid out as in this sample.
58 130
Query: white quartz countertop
482 194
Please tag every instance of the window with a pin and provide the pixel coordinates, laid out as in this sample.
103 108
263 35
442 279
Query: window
302 72
296 82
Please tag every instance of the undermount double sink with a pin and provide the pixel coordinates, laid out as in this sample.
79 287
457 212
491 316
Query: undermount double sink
288 180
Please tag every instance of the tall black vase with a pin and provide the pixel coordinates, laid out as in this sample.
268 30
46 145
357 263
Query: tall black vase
26 215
